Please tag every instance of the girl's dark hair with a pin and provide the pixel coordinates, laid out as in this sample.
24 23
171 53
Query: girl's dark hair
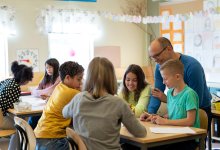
22 73
70 68
51 79
141 83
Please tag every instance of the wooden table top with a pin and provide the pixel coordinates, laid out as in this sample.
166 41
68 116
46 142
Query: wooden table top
153 137
38 105
216 113
4 133
15 112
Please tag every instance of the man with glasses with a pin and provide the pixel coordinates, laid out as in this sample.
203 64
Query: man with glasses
161 50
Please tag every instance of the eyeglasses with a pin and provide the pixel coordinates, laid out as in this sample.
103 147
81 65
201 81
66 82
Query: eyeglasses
158 54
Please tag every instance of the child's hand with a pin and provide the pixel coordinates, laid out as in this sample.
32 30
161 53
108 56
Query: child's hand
44 97
166 116
159 120
146 116
153 119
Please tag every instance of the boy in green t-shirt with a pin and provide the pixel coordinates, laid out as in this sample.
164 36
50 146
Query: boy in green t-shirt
182 102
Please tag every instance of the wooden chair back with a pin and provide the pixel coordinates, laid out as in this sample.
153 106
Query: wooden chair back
26 134
75 140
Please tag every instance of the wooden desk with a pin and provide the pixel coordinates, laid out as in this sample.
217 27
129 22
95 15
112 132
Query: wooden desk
215 114
153 140
5 133
37 107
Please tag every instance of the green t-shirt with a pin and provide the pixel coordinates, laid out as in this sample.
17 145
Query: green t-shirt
184 101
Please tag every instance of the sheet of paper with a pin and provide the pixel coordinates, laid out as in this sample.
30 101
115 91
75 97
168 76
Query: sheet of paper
33 100
172 130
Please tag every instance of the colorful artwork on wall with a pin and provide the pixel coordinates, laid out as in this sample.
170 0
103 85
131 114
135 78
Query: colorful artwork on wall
28 57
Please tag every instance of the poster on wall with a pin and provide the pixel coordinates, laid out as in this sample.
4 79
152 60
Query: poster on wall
202 41
166 24
28 57
210 4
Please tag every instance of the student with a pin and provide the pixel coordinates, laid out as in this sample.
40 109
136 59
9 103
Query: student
10 91
50 130
97 114
182 102
50 80
47 85
135 90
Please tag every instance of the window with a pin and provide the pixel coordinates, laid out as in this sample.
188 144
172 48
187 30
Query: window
71 47
3 57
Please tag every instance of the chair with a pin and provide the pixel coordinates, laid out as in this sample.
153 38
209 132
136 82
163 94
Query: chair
75 140
203 121
26 134
3 132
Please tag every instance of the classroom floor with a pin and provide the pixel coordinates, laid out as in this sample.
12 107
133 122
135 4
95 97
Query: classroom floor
4 144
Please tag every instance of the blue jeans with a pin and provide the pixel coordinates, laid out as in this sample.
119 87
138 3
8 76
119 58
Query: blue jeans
32 121
52 144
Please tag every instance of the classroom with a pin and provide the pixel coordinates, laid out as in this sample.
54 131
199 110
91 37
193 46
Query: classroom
32 33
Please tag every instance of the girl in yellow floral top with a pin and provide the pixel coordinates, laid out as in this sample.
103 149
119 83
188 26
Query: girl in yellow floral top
135 90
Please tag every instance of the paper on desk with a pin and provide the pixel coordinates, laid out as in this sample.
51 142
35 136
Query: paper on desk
33 101
172 130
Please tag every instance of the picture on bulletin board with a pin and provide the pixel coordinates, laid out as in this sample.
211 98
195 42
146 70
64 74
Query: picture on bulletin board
177 37
166 24
177 25
28 57
166 35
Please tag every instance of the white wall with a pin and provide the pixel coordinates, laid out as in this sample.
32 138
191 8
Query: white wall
128 36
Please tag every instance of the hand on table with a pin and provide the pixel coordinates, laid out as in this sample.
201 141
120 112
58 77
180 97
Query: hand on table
146 116
158 120
44 97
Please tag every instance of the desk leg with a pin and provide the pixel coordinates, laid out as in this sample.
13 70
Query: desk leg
210 140
202 143
210 133
143 147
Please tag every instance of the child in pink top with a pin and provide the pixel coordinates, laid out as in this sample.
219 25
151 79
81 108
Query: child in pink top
46 86
50 80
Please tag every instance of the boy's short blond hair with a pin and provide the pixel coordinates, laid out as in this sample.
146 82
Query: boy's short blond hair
175 66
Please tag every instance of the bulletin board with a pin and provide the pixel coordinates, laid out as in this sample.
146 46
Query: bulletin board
174 31
202 41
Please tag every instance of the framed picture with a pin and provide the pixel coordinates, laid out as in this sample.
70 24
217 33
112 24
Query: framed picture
28 57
